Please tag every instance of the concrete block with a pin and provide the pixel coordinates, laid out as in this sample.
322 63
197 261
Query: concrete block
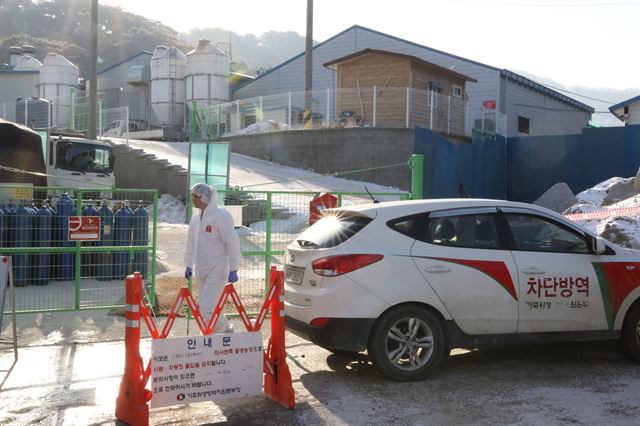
620 191
557 198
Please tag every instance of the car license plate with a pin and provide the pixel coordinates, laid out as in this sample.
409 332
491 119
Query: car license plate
293 274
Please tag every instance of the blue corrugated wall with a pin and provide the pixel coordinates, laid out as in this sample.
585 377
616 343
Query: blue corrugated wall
479 166
522 169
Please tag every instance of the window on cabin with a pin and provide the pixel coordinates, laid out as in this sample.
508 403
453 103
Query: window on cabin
523 125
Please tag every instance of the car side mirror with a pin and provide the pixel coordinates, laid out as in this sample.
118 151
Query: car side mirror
598 245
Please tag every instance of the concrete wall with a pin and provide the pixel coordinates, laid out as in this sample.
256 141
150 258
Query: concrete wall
336 150
136 169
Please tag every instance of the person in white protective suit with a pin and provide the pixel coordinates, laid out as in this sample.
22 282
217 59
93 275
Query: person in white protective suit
213 248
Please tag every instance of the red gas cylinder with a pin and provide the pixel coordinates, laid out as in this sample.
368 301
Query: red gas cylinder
320 202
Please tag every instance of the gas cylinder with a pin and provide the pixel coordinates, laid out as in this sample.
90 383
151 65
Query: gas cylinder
65 267
122 227
42 238
104 263
22 224
141 238
89 259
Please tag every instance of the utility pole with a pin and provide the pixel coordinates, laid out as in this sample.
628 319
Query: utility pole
93 87
308 66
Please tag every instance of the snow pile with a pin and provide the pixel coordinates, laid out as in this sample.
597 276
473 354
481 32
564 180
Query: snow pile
596 195
623 230
261 127
171 209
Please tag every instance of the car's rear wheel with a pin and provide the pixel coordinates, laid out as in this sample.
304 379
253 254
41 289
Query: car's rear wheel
407 343
631 333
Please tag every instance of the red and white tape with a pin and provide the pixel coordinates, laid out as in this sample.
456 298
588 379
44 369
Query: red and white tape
605 213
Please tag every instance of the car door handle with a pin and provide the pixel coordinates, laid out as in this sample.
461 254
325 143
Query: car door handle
533 271
437 269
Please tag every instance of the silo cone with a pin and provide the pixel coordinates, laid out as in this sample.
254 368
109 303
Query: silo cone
141 238
42 228
122 223
104 264
22 224
66 270
89 259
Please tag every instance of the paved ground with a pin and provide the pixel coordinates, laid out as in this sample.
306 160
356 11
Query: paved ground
70 365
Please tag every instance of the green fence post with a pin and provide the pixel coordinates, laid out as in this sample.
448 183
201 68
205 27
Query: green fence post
267 245
78 261
417 176
152 296
192 122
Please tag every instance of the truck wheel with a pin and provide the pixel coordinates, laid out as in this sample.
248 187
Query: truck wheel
630 337
407 343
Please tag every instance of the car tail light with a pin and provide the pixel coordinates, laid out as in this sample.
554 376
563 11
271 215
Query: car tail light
319 322
333 266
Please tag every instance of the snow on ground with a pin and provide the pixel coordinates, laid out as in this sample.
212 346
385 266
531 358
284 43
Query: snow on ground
254 174
596 195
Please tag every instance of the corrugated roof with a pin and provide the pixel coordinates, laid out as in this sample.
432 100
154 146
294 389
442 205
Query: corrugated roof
524 80
415 59
624 103
144 52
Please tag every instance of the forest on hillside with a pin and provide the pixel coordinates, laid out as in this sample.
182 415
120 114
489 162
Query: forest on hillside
63 26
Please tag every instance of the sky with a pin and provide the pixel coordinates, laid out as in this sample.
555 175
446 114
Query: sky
574 42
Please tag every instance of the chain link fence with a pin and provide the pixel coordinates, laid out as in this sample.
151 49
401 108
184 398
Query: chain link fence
72 248
364 107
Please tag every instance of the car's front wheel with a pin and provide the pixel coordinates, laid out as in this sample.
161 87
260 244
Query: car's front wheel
631 333
407 343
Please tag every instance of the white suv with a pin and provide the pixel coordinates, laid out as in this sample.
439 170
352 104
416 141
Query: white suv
409 281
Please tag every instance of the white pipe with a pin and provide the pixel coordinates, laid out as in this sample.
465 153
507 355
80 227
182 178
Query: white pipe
449 116
289 110
328 104
407 108
374 105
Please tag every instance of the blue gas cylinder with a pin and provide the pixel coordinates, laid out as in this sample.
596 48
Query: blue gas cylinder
65 267
22 224
104 263
122 227
141 238
42 238
89 259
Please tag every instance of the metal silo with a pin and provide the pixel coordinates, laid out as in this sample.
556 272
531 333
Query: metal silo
207 77
58 77
26 62
167 86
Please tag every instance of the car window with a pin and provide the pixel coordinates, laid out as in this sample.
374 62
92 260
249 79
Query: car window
332 230
413 226
468 231
535 233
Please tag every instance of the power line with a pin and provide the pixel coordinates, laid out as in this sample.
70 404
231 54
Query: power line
551 4
578 94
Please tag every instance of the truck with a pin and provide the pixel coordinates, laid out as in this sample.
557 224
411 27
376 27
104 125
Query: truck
35 158
139 129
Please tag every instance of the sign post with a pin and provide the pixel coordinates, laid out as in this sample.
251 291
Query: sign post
6 277
84 228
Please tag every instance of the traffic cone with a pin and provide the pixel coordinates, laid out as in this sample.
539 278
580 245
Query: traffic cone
277 377
131 403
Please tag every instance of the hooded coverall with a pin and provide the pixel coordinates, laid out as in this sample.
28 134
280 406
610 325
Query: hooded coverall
213 247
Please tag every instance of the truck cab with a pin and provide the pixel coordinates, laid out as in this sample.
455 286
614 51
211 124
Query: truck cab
74 162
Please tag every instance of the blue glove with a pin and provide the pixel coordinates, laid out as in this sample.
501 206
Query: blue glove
233 276
188 273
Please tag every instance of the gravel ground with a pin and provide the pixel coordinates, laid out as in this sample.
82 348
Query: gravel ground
70 366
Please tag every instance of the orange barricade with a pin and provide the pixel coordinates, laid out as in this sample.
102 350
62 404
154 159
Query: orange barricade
131 403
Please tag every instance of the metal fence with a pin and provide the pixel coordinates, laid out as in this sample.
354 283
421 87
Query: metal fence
338 108
60 263
267 222
66 112
55 273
